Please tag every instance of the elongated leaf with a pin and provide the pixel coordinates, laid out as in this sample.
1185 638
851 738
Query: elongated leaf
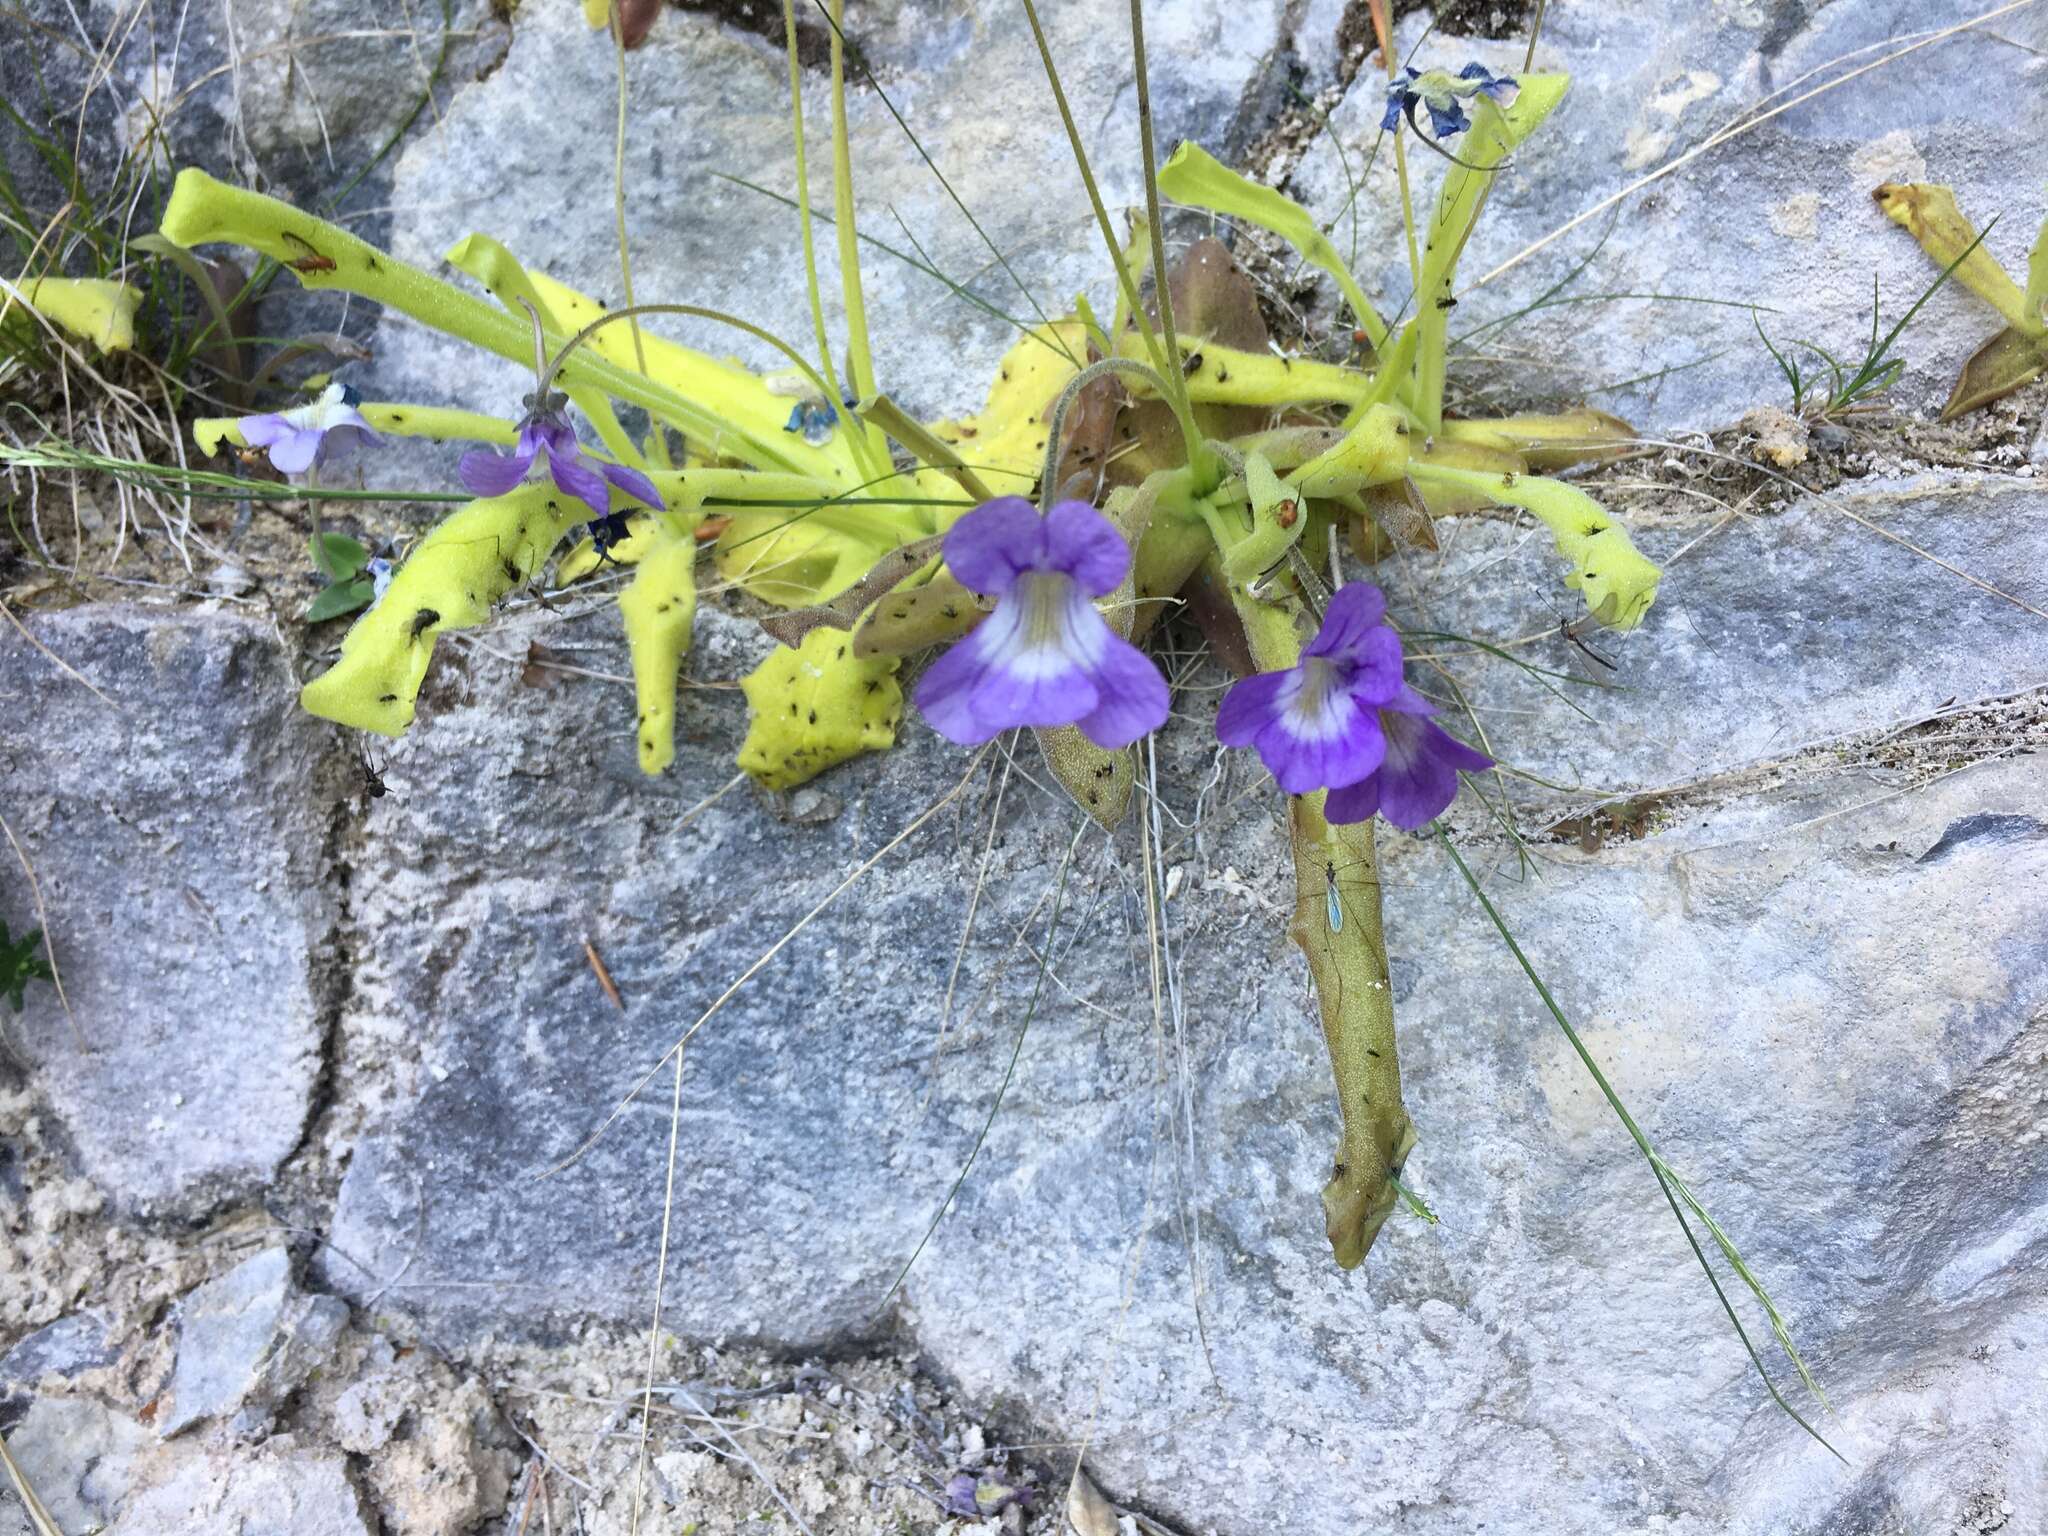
1927 211
1197 178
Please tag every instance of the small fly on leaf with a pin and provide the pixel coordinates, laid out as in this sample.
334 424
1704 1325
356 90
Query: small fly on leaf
312 261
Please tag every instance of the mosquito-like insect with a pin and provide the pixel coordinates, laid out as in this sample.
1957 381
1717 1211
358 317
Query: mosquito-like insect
373 785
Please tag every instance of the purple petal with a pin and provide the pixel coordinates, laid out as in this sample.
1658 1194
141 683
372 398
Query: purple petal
344 441
262 431
1346 746
1376 668
633 483
1132 694
1420 775
1250 706
1353 802
494 474
1082 542
1354 612
574 478
959 1498
989 548
990 682
293 451
550 432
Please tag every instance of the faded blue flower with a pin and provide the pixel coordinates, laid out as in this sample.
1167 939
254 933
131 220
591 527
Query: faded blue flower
813 420
1445 95
1045 656
545 435
297 439
981 1498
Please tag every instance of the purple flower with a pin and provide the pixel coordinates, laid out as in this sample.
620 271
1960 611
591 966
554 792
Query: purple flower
978 1498
1418 776
1317 723
1444 95
306 435
1343 719
545 434
1045 656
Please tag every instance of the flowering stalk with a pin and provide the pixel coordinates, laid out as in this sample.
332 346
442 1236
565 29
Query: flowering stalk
1337 925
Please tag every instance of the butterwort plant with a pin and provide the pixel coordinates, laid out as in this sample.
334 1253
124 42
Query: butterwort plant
968 538
1031 549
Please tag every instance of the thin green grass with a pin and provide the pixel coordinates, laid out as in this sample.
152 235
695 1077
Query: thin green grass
938 175
1877 371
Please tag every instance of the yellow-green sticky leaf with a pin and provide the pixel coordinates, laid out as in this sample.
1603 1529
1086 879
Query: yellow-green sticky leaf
1547 442
90 308
1004 442
657 606
1197 178
1373 452
742 399
1927 211
1619 584
816 706
450 581
796 557
2037 278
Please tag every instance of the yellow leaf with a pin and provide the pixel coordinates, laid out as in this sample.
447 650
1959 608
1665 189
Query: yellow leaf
816 706
657 606
1005 441
90 308
1927 211
450 581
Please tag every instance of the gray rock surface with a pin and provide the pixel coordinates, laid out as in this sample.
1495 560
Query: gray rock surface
305 1492
70 1345
246 1341
1781 216
710 100
1799 628
181 856
80 1457
1807 992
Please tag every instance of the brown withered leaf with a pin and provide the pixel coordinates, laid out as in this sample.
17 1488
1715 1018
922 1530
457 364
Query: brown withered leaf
1115 440
791 627
932 614
542 668
1399 512
1209 605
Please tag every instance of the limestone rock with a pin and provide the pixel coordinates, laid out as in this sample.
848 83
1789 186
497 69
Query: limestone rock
246 1341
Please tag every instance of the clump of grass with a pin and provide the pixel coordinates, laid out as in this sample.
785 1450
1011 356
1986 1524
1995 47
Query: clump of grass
1848 387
